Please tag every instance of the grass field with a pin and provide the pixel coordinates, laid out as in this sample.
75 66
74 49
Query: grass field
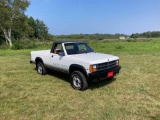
133 95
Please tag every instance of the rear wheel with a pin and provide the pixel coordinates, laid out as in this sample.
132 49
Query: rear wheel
78 81
40 68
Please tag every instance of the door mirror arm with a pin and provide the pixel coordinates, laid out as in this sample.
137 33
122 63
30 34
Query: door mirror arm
61 53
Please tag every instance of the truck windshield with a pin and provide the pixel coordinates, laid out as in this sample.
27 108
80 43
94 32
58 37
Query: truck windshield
77 48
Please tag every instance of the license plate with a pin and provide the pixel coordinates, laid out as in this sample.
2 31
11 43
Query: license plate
110 74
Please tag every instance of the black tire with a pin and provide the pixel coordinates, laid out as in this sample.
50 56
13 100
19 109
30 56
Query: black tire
78 81
40 68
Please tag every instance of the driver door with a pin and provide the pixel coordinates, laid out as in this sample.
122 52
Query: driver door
56 60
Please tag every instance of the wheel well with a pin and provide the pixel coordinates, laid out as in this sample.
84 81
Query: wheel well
38 60
77 68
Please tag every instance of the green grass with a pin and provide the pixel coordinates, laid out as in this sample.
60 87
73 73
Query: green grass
133 95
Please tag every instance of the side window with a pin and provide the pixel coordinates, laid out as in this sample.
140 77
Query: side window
58 48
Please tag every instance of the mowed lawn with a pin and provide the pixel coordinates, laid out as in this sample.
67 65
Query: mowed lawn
133 95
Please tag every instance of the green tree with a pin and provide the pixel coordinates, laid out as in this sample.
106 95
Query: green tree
11 12
41 30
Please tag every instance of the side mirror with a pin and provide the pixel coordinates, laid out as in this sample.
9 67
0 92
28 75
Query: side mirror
61 53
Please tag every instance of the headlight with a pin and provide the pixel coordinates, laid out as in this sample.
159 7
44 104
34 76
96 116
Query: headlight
93 68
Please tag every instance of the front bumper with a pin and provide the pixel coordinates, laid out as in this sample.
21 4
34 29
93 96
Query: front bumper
100 75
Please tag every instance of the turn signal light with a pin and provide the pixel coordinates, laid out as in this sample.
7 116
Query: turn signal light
117 63
93 68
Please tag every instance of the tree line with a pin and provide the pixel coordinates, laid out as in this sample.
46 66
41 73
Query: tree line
149 34
95 36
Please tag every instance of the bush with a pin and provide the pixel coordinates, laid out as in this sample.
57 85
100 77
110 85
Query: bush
4 46
131 40
23 44
119 47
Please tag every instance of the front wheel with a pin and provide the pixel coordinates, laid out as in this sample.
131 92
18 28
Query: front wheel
40 68
78 81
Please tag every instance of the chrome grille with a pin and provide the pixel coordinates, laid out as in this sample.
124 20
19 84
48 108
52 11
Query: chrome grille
106 65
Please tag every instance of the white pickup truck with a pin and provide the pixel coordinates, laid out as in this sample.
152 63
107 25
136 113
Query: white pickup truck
77 59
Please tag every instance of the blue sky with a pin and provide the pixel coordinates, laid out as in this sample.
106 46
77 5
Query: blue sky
97 16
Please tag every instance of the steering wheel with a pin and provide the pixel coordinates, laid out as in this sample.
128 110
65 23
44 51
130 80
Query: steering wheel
82 50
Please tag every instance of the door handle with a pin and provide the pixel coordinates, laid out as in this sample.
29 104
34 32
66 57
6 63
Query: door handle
52 56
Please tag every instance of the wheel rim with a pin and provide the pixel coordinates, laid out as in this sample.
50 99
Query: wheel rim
76 81
39 68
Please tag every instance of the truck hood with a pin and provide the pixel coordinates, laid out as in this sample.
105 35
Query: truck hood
94 58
